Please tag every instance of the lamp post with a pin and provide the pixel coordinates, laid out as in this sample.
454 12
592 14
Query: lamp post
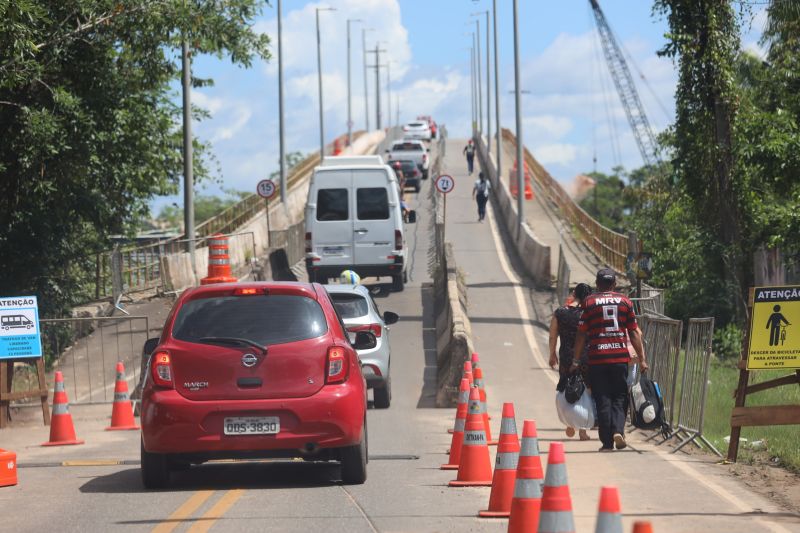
488 82
366 89
349 95
188 175
520 163
477 40
319 81
281 143
499 154
472 88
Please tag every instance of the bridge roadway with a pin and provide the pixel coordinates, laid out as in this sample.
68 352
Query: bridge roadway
405 491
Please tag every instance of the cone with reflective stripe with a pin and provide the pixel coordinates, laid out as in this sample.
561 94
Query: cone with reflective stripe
62 432
122 411
642 527
505 467
458 427
468 375
528 484
556 512
476 360
476 363
219 262
609 519
475 467
485 415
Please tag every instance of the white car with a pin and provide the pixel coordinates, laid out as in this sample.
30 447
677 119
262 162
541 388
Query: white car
412 150
418 129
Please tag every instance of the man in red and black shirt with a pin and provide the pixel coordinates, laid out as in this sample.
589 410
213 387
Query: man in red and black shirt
607 322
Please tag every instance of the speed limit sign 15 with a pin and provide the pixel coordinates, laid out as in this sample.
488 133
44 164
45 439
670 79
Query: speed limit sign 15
265 188
445 183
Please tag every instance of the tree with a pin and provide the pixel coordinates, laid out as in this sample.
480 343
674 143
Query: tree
607 201
89 125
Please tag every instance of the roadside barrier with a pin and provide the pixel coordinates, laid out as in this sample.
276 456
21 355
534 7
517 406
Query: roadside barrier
662 345
556 510
474 468
62 432
694 383
562 281
219 262
484 410
458 427
609 517
8 468
505 467
122 411
528 483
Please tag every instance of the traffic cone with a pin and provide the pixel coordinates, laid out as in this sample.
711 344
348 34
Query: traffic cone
458 427
122 411
505 467
62 432
642 527
556 510
475 467
478 373
219 262
475 359
609 519
528 484
467 373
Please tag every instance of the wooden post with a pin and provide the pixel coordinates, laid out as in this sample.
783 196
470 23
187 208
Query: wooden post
744 378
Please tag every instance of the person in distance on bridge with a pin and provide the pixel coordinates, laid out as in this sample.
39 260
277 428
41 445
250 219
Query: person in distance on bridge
607 322
563 328
480 193
469 151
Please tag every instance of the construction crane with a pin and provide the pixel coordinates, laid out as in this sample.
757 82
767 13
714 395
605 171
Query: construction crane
626 89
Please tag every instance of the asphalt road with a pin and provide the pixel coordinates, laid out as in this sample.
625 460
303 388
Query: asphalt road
405 490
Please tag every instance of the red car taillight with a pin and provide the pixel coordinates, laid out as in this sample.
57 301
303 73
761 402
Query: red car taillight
308 242
337 365
161 369
398 240
375 329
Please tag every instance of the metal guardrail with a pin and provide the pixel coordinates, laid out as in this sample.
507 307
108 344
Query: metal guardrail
608 245
662 341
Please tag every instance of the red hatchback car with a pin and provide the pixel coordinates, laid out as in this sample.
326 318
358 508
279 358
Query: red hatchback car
254 370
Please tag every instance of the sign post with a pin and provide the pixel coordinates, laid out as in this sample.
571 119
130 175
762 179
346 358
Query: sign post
20 340
266 190
772 341
445 184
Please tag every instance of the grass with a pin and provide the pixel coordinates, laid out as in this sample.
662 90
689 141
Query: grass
782 446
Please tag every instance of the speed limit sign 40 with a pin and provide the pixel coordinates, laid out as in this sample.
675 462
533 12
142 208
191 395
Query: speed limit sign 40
445 183
266 189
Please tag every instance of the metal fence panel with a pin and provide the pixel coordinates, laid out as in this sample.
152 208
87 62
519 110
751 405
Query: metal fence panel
562 283
695 381
662 341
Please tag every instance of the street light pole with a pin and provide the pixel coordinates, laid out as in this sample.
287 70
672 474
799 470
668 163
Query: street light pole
319 83
488 79
349 94
188 155
366 89
478 74
389 93
281 143
497 91
520 162
472 89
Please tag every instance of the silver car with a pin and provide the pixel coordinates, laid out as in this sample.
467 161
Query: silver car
359 312
419 129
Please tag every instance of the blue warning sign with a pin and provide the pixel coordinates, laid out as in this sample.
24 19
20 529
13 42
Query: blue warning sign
19 328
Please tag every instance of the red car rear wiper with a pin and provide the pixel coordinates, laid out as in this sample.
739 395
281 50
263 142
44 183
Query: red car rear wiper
233 340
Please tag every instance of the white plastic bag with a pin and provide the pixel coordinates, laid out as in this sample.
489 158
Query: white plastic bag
578 415
633 375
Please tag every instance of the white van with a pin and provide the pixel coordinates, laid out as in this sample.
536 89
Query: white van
354 220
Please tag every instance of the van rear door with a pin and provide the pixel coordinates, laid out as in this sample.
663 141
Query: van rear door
332 233
375 216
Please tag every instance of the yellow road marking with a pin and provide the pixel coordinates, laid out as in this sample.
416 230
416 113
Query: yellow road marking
183 512
205 522
99 462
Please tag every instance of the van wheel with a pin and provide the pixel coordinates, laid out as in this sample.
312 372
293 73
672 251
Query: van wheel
155 469
354 462
398 282
383 395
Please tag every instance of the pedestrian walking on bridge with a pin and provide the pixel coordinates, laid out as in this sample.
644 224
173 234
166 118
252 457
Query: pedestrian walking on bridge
480 193
469 151
607 322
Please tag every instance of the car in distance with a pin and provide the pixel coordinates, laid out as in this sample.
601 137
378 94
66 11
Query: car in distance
411 173
431 124
414 150
419 129
254 370
359 312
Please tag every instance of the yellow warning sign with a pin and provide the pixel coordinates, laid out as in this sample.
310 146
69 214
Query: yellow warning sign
775 328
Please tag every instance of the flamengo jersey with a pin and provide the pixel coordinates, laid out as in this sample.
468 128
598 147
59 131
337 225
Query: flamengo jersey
606 319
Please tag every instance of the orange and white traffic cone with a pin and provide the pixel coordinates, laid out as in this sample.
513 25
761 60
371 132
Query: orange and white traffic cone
528 484
475 467
467 373
609 519
556 511
476 360
122 411
62 432
478 373
642 527
505 467
458 427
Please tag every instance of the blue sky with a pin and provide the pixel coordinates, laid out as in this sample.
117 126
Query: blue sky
570 113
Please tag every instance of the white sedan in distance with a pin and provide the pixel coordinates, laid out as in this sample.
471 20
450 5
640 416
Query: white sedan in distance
418 129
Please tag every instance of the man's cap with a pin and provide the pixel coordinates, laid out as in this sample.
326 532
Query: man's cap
606 275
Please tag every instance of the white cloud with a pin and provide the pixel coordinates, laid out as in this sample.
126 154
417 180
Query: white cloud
546 126
558 154
209 103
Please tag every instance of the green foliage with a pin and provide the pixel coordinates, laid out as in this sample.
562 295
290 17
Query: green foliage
607 201
205 207
727 342
89 125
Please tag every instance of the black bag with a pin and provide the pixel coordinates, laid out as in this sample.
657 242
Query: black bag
647 406
573 390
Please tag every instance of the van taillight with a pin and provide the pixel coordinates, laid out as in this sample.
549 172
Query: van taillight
337 365
308 242
398 239
162 370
